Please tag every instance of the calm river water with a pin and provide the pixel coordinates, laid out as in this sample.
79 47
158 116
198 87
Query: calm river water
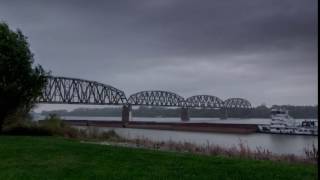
279 144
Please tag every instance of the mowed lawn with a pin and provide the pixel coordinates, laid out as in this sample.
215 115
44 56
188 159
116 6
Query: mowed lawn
57 158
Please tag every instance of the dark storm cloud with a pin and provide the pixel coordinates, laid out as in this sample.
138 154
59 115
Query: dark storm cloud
263 50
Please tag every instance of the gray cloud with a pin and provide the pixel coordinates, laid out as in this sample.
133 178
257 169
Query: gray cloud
265 51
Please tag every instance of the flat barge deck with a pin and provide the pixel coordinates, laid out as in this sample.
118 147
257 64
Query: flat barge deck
177 126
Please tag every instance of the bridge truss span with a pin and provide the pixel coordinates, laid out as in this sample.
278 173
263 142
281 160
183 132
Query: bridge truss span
156 98
237 103
204 101
63 90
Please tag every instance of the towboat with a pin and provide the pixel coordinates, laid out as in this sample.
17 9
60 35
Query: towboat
282 123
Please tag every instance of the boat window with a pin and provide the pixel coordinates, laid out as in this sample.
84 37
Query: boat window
277 112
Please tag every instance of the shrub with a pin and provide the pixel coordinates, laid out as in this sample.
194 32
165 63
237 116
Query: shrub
312 153
30 130
56 126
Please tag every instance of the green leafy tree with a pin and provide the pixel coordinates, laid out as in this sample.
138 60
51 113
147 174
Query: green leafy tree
20 81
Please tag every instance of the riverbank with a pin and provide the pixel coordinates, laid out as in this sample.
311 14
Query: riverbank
57 158
193 127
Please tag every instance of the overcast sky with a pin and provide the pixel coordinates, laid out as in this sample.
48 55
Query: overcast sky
261 50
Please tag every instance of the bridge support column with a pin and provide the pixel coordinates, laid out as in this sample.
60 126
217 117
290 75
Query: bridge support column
126 114
224 113
184 114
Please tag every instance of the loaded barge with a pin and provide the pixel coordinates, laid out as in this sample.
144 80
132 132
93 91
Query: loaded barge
179 126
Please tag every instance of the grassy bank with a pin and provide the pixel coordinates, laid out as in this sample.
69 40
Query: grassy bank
57 158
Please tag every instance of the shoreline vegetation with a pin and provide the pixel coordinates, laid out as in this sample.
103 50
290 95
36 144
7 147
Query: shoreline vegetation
241 150
54 126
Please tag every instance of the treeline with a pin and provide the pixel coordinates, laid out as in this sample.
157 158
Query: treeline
86 112
261 111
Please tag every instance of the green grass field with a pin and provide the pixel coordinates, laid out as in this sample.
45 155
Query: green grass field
58 158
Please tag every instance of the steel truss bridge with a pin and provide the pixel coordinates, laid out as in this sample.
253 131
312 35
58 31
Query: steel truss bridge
64 90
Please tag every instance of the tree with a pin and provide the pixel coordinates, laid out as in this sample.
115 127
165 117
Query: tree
21 82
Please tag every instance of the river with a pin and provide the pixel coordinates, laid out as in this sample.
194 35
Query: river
278 144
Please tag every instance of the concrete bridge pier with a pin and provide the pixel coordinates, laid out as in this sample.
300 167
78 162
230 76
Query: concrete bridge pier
126 114
224 113
184 114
